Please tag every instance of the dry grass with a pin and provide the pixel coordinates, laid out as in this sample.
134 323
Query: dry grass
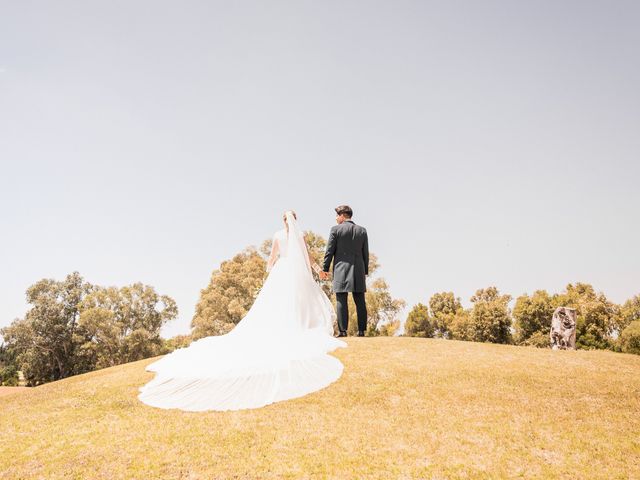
404 408
11 390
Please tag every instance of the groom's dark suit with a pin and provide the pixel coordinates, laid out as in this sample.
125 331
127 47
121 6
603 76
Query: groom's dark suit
348 247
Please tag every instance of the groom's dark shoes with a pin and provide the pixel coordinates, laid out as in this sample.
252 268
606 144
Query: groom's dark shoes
342 334
360 333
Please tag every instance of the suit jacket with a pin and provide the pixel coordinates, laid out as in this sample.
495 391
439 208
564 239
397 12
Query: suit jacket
348 247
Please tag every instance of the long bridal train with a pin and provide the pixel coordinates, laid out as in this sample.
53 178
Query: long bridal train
278 351
239 380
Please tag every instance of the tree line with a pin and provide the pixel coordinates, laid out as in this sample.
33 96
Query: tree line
74 327
600 323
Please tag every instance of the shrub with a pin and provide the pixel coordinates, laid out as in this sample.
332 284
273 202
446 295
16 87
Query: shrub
630 338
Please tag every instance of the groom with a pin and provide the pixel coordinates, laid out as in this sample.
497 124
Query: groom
348 247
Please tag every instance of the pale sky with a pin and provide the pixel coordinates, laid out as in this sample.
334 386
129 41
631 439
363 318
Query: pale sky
480 143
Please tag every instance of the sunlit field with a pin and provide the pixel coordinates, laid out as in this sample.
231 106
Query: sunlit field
404 408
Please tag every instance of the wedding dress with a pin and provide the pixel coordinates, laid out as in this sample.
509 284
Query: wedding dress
278 351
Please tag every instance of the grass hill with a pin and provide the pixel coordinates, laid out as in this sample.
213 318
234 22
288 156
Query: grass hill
404 408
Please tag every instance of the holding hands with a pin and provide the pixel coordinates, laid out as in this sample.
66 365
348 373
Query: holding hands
318 270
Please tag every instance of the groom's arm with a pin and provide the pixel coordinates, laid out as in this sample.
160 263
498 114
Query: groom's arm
330 251
365 253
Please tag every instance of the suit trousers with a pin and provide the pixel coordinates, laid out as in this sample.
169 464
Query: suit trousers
343 310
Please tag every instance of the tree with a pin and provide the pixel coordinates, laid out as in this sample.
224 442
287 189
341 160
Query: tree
45 341
173 343
382 309
444 307
8 368
74 327
9 376
597 318
389 329
630 338
418 322
461 326
630 312
532 316
490 318
123 324
230 293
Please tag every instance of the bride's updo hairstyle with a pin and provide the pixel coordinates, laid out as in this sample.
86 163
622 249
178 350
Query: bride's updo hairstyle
284 216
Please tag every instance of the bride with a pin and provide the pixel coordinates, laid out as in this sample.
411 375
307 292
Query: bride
278 351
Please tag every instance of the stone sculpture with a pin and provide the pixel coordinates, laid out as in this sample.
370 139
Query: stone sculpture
563 329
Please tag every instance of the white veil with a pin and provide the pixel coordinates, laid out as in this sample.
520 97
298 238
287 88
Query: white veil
296 244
